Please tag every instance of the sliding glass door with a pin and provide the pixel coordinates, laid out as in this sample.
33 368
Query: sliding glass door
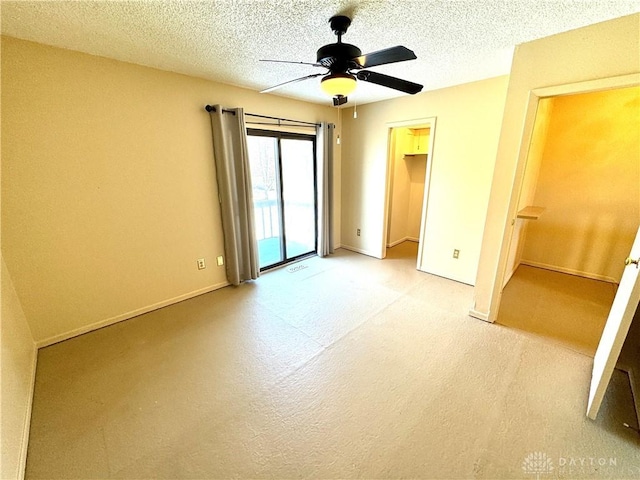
284 195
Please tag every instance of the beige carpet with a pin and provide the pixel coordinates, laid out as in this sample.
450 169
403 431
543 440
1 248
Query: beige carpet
349 367
568 309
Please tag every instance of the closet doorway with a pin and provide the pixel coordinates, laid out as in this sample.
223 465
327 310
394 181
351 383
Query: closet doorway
408 174
578 212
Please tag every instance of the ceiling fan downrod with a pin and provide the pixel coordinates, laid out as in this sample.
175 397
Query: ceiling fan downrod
339 25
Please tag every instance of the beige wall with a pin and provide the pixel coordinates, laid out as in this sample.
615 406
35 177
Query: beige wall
464 149
590 185
400 186
108 184
416 166
595 52
18 370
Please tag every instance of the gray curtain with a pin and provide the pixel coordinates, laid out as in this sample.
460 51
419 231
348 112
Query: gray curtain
324 145
235 194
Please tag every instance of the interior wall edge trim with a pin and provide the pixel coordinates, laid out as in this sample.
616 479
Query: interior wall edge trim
126 316
619 81
26 428
479 315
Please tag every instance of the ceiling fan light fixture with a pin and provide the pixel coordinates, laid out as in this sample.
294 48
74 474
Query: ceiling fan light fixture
338 84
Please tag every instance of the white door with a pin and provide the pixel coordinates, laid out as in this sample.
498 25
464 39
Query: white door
616 329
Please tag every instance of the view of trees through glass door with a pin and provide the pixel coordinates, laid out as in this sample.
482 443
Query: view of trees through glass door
284 195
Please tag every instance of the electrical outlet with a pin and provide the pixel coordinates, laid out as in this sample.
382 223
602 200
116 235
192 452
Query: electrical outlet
201 264
358 232
220 260
456 253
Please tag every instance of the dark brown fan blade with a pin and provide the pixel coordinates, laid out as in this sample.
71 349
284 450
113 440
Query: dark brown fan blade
388 55
270 89
390 82
298 63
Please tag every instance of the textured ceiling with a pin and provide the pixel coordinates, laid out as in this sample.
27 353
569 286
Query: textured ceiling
222 40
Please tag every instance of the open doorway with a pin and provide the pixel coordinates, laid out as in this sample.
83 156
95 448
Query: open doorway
408 173
578 211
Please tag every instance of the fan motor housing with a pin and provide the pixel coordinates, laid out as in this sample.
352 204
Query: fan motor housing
338 56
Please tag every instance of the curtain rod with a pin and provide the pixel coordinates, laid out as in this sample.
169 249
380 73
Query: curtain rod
210 108
281 119
281 124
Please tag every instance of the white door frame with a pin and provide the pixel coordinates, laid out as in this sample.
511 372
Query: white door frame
428 122
534 97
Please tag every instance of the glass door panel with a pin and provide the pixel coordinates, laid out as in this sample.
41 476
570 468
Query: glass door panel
298 196
284 195
265 178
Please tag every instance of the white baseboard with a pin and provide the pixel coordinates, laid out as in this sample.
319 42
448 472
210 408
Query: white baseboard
479 315
635 390
24 443
126 316
405 239
593 276
359 250
397 242
509 275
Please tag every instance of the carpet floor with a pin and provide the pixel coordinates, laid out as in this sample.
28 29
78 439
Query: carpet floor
568 309
344 367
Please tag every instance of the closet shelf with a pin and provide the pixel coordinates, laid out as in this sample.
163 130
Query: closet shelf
530 212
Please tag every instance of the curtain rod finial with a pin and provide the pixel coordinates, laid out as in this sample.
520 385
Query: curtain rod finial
209 108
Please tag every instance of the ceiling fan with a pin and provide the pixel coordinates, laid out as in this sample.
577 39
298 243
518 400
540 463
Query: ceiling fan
345 63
